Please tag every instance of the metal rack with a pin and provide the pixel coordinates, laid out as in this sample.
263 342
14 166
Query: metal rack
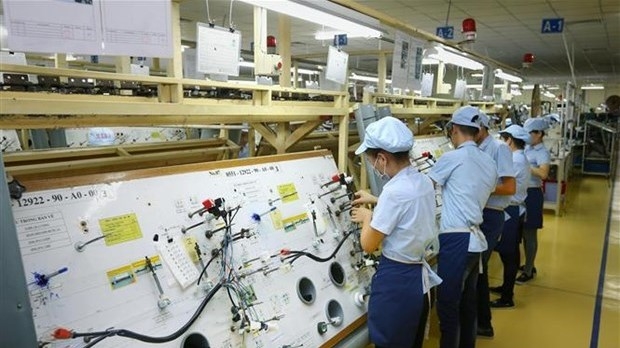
599 149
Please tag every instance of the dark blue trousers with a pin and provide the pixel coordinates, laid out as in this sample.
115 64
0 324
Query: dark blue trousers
492 226
456 295
508 248
396 305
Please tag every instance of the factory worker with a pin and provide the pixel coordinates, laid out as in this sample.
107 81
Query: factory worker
539 159
403 223
492 215
467 177
508 247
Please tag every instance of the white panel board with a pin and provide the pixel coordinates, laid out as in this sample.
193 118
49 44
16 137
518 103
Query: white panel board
337 65
217 50
9 141
137 28
108 284
79 137
53 26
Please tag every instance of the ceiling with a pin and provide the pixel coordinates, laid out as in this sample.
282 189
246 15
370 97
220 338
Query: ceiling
506 30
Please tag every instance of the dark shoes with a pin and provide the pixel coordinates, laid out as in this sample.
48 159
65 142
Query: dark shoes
524 278
496 289
485 332
522 268
500 303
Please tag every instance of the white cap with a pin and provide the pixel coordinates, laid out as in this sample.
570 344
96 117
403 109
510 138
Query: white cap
518 132
467 116
535 124
388 134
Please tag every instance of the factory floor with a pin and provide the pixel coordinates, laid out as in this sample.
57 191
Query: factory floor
559 308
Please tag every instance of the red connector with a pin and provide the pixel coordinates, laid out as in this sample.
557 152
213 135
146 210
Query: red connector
62 334
208 203
285 251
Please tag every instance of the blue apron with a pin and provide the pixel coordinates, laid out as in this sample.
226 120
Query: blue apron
396 304
508 248
534 208
456 295
492 225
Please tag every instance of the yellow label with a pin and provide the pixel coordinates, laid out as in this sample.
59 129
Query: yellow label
190 247
288 192
139 266
121 276
276 219
290 222
120 229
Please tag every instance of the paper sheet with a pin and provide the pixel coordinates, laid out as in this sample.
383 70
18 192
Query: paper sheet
217 50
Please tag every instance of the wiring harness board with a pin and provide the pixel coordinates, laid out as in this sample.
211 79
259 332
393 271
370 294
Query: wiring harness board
246 253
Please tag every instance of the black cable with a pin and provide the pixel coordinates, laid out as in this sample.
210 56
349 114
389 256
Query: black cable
204 269
150 339
317 258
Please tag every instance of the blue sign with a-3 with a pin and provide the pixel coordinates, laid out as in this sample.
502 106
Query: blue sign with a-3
552 25
445 32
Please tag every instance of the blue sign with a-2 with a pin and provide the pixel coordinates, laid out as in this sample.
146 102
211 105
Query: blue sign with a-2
445 32
552 25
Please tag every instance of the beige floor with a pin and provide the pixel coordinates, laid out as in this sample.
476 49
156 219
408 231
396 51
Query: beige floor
556 309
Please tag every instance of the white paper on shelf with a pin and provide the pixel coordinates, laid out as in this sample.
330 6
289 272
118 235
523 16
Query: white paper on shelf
337 65
138 69
217 50
407 62
53 26
137 28
427 84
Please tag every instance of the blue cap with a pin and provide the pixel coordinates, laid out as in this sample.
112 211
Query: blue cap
467 116
387 134
535 124
518 132
484 120
553 118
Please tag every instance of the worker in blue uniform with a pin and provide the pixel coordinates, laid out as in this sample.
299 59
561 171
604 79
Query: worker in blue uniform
492 216
539 158
467 177
508 247
403 223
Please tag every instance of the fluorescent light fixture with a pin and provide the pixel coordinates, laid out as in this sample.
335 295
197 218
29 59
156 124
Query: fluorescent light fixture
508 77
307 71
549 95
479 86
449 57
356 77
329 34
477 75
552 88
247 64
323 13
528 87
590 87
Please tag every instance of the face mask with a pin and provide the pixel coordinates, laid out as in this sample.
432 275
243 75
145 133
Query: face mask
383 176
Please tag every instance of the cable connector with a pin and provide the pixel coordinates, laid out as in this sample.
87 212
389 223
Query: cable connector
62 334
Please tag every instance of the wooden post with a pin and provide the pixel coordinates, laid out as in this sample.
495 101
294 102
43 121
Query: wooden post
382 71
281 136
175 64
343 139
284 48
535 111
60 61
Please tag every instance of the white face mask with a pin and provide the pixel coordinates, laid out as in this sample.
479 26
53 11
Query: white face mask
383 176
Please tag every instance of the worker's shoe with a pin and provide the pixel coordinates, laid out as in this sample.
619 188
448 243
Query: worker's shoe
501 303
522 268
485 332
524 278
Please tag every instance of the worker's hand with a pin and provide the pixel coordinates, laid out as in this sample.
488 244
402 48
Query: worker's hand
360 214
363 197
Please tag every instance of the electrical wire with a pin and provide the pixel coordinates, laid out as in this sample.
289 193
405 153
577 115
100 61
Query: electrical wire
151 339
297 254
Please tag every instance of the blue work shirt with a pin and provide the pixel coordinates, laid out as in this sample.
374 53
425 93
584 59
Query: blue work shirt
500 153
467 176
537 155
405 213
522 176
